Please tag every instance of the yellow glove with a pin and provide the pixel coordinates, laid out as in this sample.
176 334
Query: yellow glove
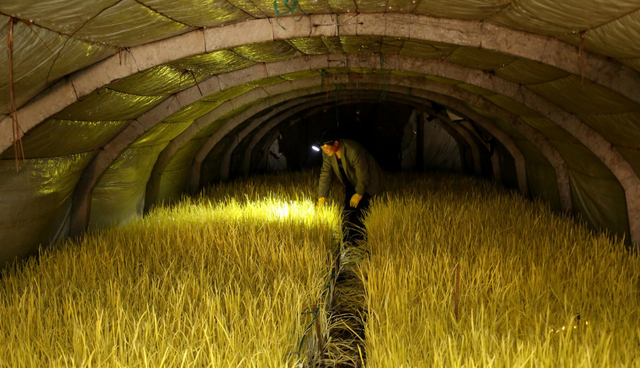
355 200
320 203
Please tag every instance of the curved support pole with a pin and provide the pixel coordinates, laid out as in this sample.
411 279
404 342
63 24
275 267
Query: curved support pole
471 33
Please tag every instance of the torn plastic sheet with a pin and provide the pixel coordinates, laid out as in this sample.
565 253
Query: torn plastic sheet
70 137
119 196
175 178
159 81
214 62
107 104
201 13
34 52
543 184
129 23
269 51
601 202
525 71
35 202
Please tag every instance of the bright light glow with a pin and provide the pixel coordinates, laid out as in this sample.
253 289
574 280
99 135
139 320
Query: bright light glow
316 148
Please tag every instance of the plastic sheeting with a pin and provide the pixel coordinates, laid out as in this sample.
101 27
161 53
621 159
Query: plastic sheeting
550 129
427 50
192 112
601 202
35 50
315 6
627 127
525 71
119 196
159 81
35 202
71 137
107 104
479 59
513 106
462 9
361 44
129 23
310 45
531 152
543 184
632 156
201 13
584 97
269 51
214 62
580 159
175 178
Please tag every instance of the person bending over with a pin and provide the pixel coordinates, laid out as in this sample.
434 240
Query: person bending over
361 176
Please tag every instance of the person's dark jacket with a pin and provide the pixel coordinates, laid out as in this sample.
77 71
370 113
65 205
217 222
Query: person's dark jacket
361 169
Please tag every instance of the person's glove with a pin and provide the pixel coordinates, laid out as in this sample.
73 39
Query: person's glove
320 203
355 199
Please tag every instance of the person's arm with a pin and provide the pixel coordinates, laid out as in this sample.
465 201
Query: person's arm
325 177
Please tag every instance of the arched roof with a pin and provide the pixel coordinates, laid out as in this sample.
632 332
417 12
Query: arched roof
112 89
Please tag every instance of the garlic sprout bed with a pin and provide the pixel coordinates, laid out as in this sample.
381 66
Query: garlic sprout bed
536 290
222 280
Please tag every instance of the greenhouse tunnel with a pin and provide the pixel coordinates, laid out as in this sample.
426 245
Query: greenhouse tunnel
110 107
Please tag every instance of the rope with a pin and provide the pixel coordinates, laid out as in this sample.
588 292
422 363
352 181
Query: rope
290 11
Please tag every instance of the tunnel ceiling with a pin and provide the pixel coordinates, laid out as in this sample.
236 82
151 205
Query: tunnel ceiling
121 104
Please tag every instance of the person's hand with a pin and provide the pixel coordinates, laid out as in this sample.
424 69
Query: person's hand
355 199
320 203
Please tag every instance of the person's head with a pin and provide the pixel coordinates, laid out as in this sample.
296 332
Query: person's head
328 141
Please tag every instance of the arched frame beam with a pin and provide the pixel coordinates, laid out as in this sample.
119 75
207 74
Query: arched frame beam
547 50
112 150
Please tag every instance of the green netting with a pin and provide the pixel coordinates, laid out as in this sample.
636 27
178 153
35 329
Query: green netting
543 184
475 89
343 6
159 81
427 49
107 104
34 52
531 153
161 133
192 112
525 71
201 13
129 23
584 97
632 156
36 202
462 9
550 129
472 57
175 177
70 137
333 44
309 46
601 202
581 159
620 129
119 196
214 62
266 52
513 106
